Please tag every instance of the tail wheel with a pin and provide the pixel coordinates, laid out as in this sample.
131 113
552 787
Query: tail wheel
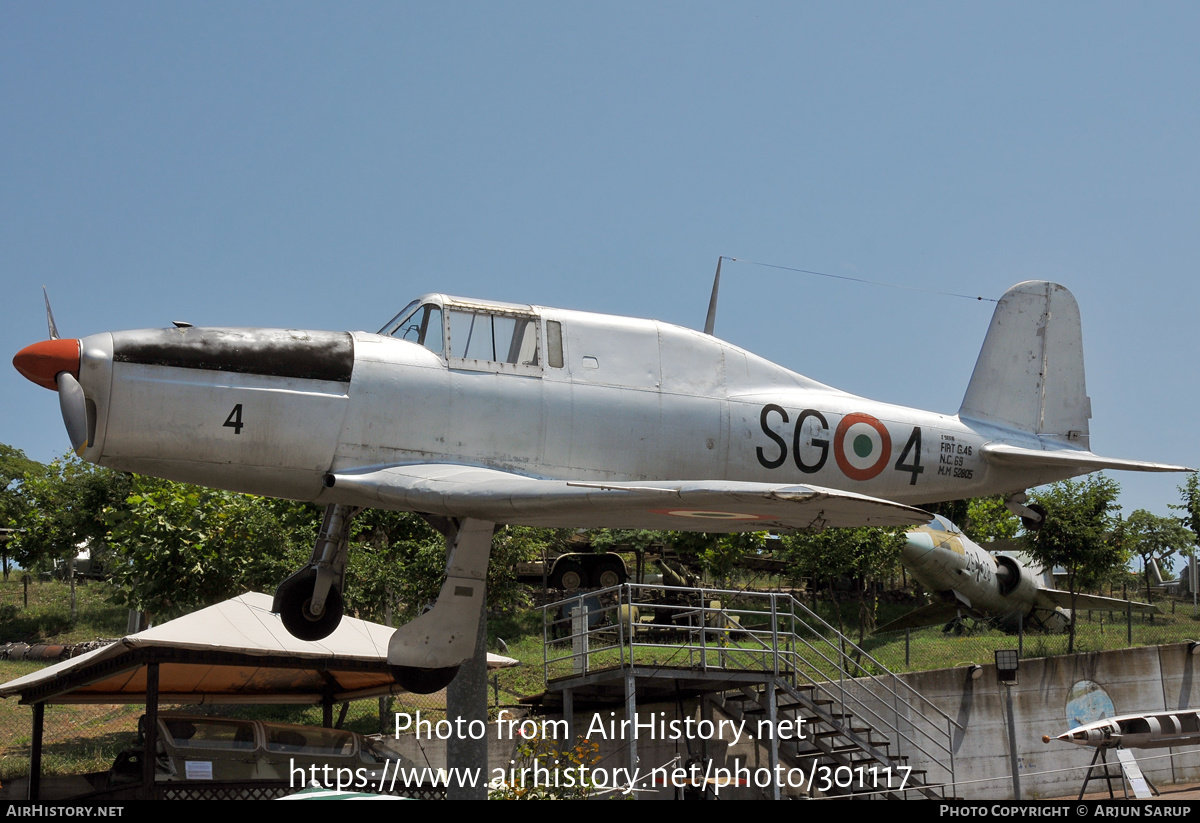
423 681
1033 525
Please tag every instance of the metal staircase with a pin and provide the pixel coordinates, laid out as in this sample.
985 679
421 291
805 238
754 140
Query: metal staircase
766 656
841 756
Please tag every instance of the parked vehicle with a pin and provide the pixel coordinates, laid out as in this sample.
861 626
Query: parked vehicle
196 747
576 570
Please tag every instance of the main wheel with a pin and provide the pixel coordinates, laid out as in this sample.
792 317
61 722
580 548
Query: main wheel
295 597
423 681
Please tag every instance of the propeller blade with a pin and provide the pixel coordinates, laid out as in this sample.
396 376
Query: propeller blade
50 316
74 410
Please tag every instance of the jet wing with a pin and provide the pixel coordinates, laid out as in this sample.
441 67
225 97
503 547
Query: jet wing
930 615
1002 454
1094 602
686 505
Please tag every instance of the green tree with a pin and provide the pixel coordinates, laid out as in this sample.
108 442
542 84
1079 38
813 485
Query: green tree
722 553
14 466
989 519
398 559
1077 532
64 508
1190 510
864 555
1155 538
185 547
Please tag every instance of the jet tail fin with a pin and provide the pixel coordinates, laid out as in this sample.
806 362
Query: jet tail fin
1029 374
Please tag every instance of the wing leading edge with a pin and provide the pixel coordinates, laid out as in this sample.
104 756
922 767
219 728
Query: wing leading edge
1094 602
688 505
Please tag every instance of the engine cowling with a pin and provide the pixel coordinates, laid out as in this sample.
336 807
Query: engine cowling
1014 580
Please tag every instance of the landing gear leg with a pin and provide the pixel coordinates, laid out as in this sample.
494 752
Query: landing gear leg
426 653
310 601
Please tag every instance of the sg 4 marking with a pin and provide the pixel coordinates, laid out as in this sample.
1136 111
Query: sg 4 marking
862 445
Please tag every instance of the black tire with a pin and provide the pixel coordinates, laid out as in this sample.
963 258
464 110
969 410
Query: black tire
609 573
294 596
1034 525
568 576
423 681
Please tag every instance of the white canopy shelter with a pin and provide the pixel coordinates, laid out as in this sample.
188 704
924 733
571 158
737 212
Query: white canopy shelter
233 652
236 651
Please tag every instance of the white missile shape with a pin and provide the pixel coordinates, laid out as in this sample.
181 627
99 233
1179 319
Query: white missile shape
1137 731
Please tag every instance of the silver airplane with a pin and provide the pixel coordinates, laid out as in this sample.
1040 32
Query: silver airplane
476 413
967 580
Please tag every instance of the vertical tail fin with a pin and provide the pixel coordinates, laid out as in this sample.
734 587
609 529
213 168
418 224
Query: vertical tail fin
1029 374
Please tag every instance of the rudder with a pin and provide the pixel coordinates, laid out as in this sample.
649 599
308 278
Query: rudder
1029 374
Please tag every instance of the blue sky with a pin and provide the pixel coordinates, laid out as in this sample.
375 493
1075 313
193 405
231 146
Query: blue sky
316 165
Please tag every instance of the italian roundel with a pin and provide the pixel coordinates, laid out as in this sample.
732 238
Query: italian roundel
861 446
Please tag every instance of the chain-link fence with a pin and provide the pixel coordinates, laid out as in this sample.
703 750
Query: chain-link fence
967 641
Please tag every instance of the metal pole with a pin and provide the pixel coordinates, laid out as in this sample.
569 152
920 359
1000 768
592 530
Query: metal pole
33 790
466 698
774 637
773 725
1012 743
1192 575
631 716
150 752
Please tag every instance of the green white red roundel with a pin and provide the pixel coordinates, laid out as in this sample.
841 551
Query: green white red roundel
861 446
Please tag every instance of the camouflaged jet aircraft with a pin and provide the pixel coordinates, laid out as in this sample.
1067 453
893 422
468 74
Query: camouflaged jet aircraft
966 580
475 414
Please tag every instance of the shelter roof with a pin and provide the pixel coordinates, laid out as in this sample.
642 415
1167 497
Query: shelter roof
233 652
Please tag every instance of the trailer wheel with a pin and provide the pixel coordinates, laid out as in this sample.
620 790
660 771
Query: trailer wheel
609 573
568 576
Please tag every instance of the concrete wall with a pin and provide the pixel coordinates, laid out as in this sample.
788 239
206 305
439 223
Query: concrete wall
1135 680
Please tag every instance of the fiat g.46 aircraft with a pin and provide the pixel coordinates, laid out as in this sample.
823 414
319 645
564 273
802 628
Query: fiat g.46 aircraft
477 413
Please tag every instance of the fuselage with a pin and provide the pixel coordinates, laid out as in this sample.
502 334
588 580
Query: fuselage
542 392
1137 731
948 563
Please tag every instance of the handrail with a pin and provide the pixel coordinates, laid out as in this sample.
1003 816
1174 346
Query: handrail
779 648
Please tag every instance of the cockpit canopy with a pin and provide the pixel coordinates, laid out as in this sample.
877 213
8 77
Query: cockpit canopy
472 334
418 323
941 524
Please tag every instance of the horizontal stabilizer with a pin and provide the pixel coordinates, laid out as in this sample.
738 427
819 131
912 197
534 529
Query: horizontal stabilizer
688 505
1094 602
1015 457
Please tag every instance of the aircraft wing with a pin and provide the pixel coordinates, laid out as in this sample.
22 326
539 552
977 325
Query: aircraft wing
1002 454
686 505
919 618
1094 602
